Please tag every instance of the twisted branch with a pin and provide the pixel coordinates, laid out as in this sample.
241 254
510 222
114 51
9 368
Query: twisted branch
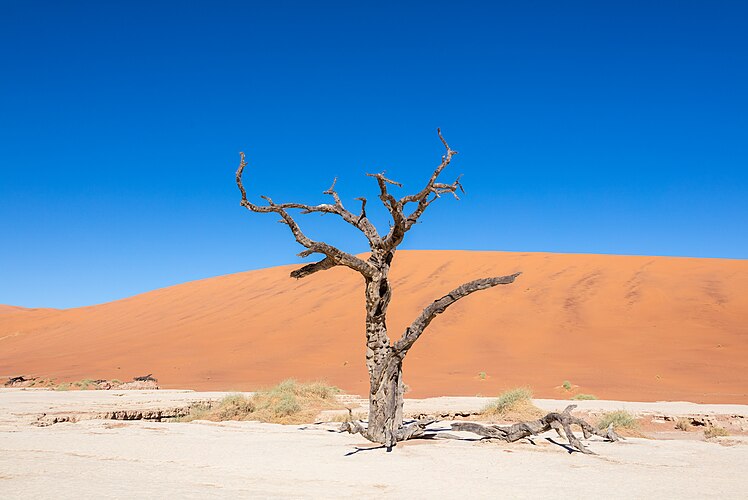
334 256
433 189
560 422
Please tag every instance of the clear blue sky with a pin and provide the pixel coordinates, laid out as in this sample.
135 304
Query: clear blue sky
589 127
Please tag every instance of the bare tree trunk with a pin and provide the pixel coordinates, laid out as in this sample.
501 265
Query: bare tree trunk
382 361
386 404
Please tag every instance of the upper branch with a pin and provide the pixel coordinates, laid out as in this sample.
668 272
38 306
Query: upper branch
397 231
433 188
360 222
425 197
334 256
440 305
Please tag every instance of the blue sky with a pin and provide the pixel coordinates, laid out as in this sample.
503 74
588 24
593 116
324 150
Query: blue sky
582 127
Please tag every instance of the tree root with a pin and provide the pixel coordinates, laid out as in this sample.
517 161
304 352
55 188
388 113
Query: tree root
414 430
560 422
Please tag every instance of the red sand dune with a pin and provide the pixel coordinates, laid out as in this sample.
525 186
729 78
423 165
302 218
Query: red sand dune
629 328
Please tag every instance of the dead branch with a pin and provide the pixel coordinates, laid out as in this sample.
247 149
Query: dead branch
19 380
333 255
560 422
395 208
440 305
312 268
401 222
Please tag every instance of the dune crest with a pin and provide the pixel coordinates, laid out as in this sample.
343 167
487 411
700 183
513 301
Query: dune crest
620 327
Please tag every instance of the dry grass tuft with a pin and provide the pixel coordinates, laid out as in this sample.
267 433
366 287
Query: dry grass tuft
683 424
43 383
514 404
621 419
289 402
233 407
712 432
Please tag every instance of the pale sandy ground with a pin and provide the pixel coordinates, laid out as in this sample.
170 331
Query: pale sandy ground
114 459
619 327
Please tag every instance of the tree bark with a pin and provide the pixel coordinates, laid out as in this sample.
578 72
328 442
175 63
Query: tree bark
382 361
386 404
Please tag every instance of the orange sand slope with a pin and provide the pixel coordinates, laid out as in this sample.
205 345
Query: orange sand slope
628 328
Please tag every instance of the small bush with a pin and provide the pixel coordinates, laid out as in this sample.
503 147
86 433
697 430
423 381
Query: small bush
583 397
712 432
289 402
621 419
285 406
566 385
683 424
482 375
312 389
234 407
85 384
516 403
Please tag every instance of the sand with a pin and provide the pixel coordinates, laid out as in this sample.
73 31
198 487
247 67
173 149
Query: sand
115 459
622 328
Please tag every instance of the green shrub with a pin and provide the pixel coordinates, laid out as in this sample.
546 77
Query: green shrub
285 406
234 407
583 397
566 385
621 419
515 402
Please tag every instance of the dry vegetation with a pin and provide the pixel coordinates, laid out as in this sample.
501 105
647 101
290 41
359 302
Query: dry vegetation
87 384
683 424
712 432
514 404
623 422
583 397
289 402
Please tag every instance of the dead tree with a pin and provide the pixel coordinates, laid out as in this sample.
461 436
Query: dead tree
384 358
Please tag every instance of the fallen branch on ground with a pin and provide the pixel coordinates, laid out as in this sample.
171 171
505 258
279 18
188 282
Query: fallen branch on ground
560 422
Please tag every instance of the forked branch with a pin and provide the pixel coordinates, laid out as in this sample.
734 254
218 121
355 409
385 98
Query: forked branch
333 255
402 222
